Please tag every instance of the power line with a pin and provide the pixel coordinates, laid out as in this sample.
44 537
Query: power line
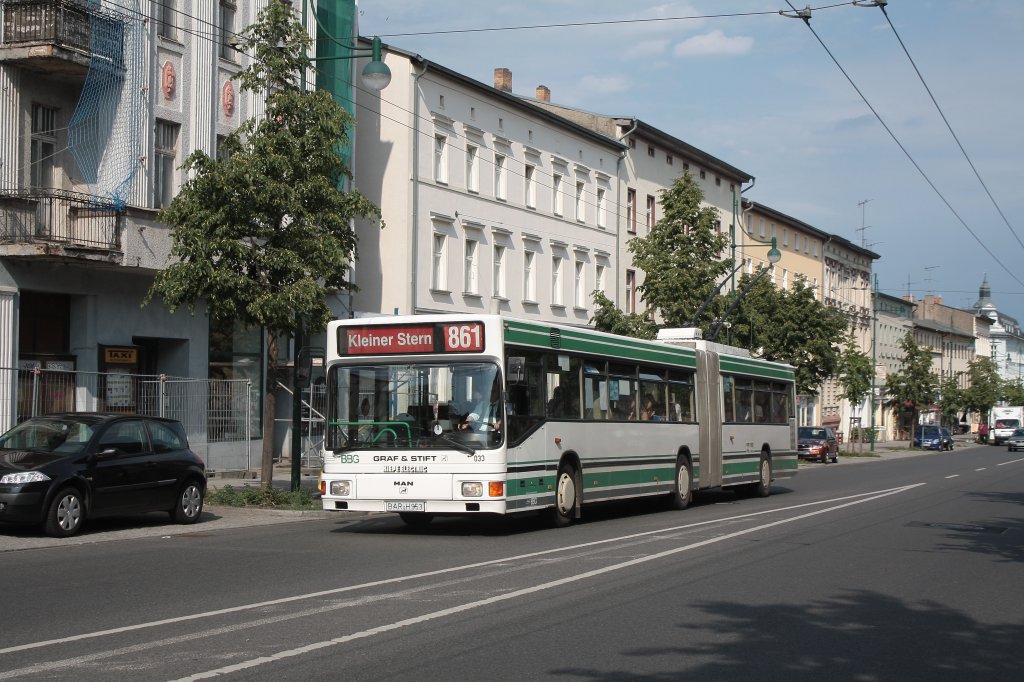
950 128
806 17
610 22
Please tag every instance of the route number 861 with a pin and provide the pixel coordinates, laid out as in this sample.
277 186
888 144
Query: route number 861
464 338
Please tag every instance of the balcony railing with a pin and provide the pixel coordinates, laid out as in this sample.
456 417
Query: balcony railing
59 218
65 24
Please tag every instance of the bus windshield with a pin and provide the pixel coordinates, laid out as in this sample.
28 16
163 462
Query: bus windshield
414 406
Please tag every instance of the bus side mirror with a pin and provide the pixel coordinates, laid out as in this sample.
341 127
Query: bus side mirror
516 372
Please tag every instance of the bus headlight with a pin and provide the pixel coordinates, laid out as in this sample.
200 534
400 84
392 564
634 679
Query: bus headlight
472 489
341 488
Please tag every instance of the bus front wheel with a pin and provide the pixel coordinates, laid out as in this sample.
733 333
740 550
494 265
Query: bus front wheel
567 490
681 488
763 487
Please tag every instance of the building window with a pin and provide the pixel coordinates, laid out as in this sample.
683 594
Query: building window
531 186
499 272
631 211
556 280
556 188
718 227
227 29
703 175
43 147
600 207
472 168
500 180
165 152
650 213
441 158
529 276
668 159
470 280
772 230
236 353
580 286
439 264
650 151
599 279
761 228
166 16
718 181
630 300
581 208
785 236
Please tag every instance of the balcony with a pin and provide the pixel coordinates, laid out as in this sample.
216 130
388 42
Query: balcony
60 37
60 225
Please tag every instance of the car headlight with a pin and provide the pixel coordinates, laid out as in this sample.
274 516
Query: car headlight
25 477
341 488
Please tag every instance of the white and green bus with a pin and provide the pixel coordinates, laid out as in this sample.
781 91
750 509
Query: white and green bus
484 414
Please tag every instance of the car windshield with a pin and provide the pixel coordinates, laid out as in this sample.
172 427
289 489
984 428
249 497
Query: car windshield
812 432
1019 432
48 434
1006 424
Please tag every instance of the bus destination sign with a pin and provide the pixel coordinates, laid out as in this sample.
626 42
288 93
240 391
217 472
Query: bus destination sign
406 339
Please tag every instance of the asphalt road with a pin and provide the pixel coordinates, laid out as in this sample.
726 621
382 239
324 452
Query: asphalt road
907 568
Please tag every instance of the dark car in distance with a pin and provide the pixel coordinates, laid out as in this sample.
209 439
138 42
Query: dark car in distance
933 437
817 442
61 469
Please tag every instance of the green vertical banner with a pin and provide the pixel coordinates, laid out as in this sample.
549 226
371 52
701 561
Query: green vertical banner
336 28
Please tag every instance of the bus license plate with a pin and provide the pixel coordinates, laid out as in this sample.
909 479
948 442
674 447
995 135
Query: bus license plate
404 506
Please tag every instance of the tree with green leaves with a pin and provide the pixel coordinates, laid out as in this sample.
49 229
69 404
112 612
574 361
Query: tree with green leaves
984 386
608 318
792 326
952 400
1013 392
855 373
913 387
681 257
263 233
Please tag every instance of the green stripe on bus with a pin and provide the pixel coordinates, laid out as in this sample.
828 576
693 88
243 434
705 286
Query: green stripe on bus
752 367
581 341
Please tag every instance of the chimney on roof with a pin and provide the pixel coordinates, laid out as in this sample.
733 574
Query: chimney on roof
543 93
503 79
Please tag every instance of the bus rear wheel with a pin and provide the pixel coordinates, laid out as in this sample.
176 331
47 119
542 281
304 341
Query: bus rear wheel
681 487
567 490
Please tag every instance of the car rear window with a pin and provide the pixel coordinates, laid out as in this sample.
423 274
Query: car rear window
166 438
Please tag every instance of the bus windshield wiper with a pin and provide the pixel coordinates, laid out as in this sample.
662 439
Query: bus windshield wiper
461 447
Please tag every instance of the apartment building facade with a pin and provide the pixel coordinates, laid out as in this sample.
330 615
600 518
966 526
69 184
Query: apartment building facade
489 203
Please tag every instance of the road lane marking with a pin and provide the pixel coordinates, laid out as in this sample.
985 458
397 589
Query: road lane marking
953 476
981 469
442 571
308 648
1012 461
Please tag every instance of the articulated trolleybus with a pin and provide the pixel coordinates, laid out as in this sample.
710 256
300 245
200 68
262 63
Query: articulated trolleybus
469 414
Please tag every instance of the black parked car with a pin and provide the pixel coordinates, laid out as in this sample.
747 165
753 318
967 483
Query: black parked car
59 470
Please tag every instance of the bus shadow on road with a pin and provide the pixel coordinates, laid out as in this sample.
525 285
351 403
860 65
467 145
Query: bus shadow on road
500 526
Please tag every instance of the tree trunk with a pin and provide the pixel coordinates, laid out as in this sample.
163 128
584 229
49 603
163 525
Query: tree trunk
269 413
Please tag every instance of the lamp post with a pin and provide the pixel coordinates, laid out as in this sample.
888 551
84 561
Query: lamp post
375 75
774 256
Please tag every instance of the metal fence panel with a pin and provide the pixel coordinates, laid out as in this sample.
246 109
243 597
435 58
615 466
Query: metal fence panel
218 414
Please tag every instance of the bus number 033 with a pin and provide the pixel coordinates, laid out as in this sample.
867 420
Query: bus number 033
465 337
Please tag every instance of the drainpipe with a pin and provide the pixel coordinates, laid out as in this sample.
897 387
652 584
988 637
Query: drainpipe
618 211
414 178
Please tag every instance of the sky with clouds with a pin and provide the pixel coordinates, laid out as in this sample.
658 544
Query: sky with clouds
760 91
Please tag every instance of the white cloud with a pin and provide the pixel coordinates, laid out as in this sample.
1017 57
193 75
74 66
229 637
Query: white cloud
604 85
712 44
647 49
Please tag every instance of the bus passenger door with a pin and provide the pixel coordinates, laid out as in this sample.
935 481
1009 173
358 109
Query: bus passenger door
709 416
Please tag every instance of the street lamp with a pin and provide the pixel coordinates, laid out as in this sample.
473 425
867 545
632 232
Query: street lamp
376 75
774 256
